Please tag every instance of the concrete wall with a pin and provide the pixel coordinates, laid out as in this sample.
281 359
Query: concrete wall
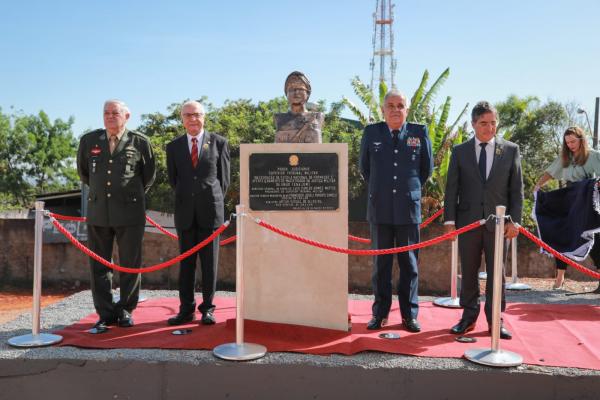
63 264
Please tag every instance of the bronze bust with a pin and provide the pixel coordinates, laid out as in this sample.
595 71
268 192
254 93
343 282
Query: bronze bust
298 125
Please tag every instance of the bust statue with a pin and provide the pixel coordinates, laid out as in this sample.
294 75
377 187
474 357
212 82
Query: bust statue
298 125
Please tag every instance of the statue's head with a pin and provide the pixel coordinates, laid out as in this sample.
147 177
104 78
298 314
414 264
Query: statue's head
297 89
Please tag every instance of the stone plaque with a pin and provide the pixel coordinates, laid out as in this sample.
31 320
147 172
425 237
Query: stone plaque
294 181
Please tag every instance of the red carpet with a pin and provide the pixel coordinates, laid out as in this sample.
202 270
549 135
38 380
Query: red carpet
551 335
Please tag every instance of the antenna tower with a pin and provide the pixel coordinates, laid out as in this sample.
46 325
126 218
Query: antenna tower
383 45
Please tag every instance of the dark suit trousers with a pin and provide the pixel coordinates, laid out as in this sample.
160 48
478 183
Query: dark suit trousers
209 257
470 247
385 236
129 242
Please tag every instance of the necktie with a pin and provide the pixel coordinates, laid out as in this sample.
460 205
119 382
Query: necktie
483 161
395 134
112 143
194 153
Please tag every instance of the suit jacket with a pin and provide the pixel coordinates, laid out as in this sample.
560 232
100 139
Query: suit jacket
200 191
395 176
468 198
117 181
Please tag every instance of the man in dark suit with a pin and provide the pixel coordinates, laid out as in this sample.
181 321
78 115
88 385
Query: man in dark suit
395 161
484 172
118 165
198 168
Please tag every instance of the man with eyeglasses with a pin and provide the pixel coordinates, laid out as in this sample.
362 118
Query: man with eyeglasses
119 167
395 161
198 170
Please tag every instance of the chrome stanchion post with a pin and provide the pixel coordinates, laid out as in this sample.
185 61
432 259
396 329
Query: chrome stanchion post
515 284
495 357
239 351
36 339
453 301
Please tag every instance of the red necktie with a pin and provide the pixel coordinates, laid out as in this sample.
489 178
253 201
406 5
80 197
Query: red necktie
194 152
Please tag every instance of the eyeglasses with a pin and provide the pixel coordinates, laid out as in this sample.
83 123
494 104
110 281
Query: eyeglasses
192 115
112 113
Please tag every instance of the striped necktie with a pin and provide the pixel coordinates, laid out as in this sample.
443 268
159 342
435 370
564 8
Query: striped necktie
194 153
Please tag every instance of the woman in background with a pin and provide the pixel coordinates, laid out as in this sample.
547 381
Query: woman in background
576 162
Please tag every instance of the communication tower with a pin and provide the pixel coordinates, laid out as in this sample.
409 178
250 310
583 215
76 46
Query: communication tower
383 59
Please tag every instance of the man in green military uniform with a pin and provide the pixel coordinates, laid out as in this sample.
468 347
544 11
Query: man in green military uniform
119 167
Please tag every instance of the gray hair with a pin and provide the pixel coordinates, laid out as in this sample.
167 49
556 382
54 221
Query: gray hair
195 103
120 103
395 93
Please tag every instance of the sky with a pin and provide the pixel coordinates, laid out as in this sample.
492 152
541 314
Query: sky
67 57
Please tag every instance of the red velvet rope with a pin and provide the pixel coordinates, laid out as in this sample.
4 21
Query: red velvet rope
232 239
160 228
557 255
152 222
423 225
393 250
116 267
66 217
432 218
228 240
359 239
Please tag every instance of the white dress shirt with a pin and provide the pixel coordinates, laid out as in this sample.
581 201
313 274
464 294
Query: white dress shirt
489 152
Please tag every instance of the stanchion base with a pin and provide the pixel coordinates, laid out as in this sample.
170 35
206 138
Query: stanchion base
390 335
517 286
483 275
448 302
239 352
30 340
500 358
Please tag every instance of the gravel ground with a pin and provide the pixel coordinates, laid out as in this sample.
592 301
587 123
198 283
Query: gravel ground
73 308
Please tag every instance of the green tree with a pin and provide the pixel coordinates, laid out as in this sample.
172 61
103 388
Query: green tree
240 121
36 156
161 129
13 183
51 152
537 128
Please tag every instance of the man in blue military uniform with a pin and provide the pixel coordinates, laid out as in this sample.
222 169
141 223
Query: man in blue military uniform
119 167
395 161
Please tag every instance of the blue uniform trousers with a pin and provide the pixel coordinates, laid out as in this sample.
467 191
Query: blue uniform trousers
384 236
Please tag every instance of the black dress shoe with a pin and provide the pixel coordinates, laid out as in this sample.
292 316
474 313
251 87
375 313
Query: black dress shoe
181 319
101 326
376 323
411 325
504 333
208 318
125 319
462 327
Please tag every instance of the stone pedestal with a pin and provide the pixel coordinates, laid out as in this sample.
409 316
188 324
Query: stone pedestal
287 281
